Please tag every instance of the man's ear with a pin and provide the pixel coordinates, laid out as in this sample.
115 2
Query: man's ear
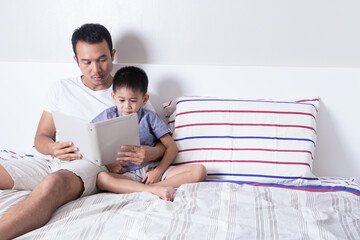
76 59
145 99
113 96
113 55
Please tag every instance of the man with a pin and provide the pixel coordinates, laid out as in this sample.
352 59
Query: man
66 177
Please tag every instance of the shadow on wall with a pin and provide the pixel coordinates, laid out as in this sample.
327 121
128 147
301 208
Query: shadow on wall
130 49
167 88
330 157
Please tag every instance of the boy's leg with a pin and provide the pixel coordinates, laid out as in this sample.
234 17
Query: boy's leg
184 174
118 183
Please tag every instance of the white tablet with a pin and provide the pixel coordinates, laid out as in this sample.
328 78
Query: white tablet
98 142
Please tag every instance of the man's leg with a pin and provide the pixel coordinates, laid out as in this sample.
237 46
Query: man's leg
35 211
6 182
184 174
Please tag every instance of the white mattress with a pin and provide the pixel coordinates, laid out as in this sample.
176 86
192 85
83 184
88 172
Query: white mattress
209 210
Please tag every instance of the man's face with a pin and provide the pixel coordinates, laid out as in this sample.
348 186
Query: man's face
95 62
129 101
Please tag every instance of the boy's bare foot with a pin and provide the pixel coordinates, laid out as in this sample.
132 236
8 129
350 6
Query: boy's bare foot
168 194
165 193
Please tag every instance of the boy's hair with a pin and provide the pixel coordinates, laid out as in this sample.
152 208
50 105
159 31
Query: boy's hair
91 33
131 77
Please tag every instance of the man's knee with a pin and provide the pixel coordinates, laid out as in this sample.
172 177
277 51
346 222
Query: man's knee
62 184
6 181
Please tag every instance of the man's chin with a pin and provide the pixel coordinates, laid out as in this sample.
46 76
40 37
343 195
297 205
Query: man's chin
126 113
99 80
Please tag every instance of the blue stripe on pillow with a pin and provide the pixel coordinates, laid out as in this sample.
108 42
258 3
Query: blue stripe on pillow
259 175
244 100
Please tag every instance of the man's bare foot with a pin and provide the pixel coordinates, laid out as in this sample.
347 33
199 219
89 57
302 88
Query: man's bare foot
165 193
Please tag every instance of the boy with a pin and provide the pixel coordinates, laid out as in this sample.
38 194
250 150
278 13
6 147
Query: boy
130 94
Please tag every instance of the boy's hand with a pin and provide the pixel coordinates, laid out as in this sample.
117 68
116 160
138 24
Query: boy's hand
115 167
152 176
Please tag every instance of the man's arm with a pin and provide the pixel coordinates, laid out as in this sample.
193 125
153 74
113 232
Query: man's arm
45 143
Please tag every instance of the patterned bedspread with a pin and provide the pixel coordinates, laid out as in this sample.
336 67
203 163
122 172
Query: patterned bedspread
209 210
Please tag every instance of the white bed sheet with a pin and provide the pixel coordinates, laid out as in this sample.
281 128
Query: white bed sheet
209 210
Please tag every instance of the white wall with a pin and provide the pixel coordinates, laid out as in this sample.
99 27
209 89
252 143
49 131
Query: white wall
304 33
266 33
337 152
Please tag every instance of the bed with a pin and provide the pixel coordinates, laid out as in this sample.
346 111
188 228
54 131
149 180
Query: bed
260 154
209 211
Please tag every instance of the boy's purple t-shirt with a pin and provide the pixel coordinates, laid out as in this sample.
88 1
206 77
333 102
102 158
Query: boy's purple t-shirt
151 128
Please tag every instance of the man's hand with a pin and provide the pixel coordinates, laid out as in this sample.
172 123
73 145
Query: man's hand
132 154
65 151
45 144
115 167
140 155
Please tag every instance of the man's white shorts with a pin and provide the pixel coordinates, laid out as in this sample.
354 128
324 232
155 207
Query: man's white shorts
29 172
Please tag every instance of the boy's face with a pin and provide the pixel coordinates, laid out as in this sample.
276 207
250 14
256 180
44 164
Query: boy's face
129 101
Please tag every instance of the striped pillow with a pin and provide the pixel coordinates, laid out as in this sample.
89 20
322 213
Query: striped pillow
245 140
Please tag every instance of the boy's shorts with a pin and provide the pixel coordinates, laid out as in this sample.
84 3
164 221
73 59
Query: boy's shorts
27 173
138 174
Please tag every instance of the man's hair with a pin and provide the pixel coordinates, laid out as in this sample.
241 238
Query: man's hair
91 33
131 77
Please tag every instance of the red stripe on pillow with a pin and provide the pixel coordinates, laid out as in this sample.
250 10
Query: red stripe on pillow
241 161
243 124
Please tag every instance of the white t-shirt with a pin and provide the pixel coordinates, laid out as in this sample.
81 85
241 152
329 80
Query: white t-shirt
70 96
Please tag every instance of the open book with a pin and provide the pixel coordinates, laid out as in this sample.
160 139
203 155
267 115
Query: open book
98 142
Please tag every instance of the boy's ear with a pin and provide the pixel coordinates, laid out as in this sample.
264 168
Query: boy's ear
113 96
76 59
145 99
